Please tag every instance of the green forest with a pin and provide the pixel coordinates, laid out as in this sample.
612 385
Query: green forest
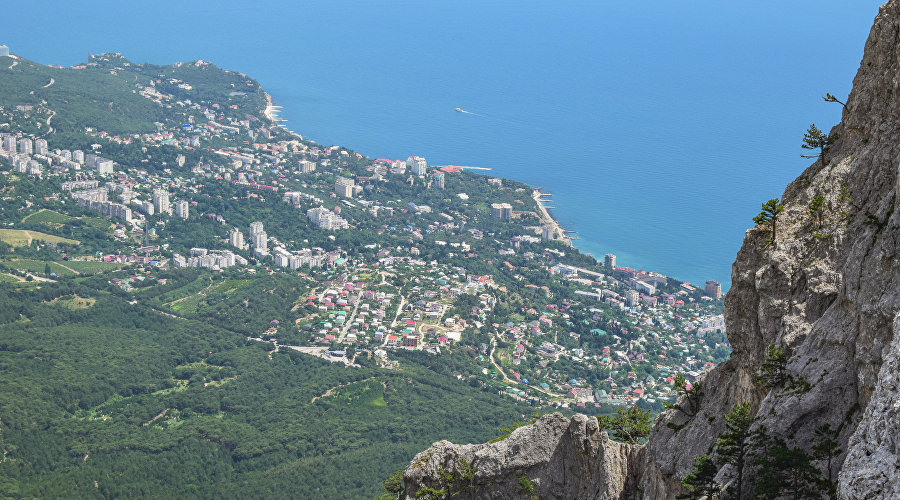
104 398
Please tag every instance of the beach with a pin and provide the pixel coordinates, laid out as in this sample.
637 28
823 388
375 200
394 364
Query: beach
271 111
547 220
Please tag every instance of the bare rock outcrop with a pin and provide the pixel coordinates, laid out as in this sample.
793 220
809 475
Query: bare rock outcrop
560 457
827 290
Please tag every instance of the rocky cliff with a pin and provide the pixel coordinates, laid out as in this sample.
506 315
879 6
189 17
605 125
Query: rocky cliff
827 290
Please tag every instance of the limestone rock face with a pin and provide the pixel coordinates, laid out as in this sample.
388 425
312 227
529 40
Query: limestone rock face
872 467
827 290
562 458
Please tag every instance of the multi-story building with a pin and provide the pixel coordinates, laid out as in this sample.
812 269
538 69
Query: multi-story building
547 232
609 260
236 238
713 289
98 163
161 201
326 219
92 193
306 166
261 243
643 286
73 185
343 186
34 168
9 143
4 51
439 180
501 210
632 297
211 259
181 209
25 146
398 167
255 228
96 199
417 165
78 156
40 147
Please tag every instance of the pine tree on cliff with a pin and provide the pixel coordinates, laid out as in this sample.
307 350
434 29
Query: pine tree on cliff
737 443
826 451
629 425
787 472
816 139
829 97
701 482
769 216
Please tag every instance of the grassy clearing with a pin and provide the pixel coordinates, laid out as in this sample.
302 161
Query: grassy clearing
189 304
38 266
48 217
97 222
368 393
93 267
74 302
21 237
16 280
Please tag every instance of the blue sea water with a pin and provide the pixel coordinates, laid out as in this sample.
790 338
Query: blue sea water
658 126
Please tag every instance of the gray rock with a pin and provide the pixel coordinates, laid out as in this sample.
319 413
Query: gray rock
562 458
872 467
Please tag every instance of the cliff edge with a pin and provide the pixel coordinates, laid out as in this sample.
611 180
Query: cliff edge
826 290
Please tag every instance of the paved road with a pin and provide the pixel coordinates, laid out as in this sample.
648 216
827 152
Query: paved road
350 318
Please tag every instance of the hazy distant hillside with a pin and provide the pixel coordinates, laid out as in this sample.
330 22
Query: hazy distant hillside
106 92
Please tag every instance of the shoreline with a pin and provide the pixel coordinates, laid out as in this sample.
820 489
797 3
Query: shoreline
559 233
270 112
547 220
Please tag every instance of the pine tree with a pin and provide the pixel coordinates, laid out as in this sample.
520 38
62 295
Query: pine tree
817 209
826 451
773 368
769 216
816 139
828 97
786 471
702 480
629 425
691 396
737 443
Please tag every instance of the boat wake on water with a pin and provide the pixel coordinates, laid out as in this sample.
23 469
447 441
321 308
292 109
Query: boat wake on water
460 110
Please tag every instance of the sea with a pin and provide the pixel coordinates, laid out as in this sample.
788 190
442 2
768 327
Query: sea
659 127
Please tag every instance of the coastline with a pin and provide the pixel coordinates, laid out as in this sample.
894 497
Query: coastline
270 112
559 233
547 220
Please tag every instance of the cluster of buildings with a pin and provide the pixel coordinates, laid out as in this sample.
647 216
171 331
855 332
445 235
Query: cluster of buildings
99 164
296 260
210 259
89 194
663 331
19 153
323 218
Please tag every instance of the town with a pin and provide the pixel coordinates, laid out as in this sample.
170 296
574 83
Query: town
389 256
